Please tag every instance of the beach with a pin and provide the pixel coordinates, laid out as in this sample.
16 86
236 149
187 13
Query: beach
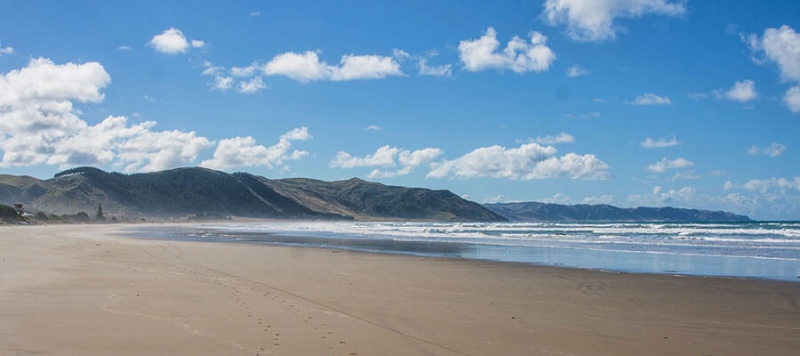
84 289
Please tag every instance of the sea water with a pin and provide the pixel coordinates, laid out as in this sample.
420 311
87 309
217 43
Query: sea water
766 250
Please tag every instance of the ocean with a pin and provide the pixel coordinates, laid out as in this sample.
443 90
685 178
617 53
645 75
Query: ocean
764 250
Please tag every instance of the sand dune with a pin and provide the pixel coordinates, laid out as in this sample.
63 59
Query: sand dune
85 290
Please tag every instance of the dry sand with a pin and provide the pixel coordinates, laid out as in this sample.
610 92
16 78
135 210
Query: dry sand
83 290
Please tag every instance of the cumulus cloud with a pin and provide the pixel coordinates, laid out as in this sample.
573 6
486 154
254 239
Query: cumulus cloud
519 55
599 199
39 125
244 72
576 71
773 150
765 185
236 77
686 196
222 83
306 67
742 91
172 41
651 99
780 46
558 198
244 152
144 150
385 157
5 50
444 70
552 140
792 99
253 85
660 143
594 20
664 164
527 162
36 111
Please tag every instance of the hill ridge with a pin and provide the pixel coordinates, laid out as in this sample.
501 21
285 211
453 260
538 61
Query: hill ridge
195 190
549 212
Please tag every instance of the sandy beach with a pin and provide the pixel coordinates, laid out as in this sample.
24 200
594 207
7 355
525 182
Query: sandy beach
82 289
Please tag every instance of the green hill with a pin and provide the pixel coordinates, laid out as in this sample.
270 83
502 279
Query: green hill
195 191
534 212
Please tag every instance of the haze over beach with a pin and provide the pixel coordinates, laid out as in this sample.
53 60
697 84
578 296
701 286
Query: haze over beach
692 104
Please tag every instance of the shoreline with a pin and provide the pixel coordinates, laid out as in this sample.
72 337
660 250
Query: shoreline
678 262
82 289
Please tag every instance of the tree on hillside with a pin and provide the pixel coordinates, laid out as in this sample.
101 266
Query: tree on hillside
99 215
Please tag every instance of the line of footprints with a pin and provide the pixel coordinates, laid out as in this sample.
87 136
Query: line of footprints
234 285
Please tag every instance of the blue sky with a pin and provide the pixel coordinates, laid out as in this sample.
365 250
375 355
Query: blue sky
632 103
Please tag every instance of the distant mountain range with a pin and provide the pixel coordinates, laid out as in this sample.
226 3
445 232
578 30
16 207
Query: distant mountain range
185 192
533 212
200 191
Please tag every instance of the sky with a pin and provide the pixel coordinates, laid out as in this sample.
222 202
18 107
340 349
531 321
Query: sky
691 104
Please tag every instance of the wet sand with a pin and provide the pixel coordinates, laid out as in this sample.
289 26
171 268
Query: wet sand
80 289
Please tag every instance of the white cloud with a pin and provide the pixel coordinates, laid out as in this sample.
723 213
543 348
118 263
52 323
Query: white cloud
593 20
417 158
172 41
599 199
651 99
387 156
244 72
686 196
244 152
664 164
400 54
765 185
741 91
365 67
307 67
552 140
527 162
773 150
373 128
660 143
303 68
5 50
251 86
383 157
144 150
254 14
690 175
222 83
444 70
518 55
558 198
39 125
780 46
792 99
576 71
493 200
125 48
